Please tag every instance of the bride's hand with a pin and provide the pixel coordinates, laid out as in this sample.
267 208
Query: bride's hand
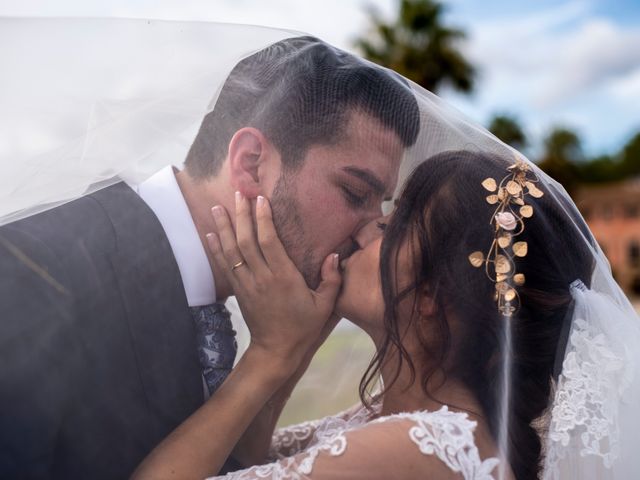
284 316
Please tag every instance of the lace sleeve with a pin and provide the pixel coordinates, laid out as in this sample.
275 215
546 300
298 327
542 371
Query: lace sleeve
407 446
289 441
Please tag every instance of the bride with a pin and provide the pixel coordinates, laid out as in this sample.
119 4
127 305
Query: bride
438 322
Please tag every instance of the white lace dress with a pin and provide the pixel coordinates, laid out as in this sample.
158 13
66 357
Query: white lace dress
353 446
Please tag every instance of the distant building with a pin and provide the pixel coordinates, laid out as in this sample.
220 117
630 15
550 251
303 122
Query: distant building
613 214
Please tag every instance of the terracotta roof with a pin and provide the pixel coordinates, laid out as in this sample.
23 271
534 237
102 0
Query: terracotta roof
627 191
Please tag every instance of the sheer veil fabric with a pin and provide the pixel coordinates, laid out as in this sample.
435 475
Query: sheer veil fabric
89 102
80 88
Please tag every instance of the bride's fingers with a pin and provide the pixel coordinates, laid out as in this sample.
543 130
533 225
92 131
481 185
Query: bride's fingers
331 280
246 236
215 248
270 244
234 260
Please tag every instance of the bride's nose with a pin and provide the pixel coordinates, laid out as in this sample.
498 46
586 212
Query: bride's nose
369 232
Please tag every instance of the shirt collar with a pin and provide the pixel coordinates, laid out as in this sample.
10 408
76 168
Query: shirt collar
163 195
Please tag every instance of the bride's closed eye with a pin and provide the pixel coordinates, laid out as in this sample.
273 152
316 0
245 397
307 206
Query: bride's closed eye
381 225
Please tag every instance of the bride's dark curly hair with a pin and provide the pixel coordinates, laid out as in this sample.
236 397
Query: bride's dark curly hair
443 216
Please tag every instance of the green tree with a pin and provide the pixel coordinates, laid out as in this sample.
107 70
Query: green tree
417 45
562 156
606 168
600 169
507 128
630 158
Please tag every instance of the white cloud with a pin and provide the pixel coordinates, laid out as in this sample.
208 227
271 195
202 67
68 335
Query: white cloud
597 52
554 56
626 88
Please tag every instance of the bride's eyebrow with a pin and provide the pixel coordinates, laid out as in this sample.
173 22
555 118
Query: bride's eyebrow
368 177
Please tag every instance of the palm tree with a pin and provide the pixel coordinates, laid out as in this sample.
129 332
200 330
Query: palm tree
418 46
507 128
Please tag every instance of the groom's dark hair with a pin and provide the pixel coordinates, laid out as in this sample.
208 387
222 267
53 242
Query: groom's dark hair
299 92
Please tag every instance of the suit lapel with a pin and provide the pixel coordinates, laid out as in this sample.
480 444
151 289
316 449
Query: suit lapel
160 324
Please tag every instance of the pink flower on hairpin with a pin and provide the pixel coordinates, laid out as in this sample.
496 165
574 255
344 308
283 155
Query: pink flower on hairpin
506 220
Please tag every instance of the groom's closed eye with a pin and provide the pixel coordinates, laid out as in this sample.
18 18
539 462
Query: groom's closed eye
361 186
355 197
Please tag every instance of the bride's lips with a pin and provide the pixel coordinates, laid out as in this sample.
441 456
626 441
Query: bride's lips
344 262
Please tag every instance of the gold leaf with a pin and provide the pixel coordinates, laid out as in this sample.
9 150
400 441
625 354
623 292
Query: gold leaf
502 287
476 259
513 188
526 211
510 295
518 201
490 184
501 194
519 278
492 199
504 241
533 190
502 264
520 249
501 277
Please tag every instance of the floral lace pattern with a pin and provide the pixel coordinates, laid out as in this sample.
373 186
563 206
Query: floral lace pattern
293 468
448 435
291 440
584 408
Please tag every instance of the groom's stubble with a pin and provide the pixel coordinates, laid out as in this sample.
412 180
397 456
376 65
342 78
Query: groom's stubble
295 232
290 228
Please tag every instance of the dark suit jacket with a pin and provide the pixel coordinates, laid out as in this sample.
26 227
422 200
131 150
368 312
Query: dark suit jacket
97 348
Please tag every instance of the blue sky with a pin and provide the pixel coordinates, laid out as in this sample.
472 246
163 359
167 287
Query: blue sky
573 63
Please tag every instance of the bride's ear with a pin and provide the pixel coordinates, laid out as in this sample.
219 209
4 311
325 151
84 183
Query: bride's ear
250 156
425 303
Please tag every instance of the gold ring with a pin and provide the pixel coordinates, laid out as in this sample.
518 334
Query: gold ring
239 264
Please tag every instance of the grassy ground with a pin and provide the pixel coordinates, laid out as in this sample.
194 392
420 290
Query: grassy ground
331 383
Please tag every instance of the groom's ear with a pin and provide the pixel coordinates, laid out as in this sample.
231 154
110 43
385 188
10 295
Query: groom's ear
250 155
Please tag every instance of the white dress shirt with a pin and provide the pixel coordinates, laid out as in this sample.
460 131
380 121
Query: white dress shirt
163 195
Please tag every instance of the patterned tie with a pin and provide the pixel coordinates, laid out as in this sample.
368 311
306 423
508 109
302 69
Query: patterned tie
216 343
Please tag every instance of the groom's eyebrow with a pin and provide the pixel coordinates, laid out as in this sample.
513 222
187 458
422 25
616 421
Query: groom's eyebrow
368 177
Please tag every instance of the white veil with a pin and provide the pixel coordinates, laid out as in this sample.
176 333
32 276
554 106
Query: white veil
88 102
79 88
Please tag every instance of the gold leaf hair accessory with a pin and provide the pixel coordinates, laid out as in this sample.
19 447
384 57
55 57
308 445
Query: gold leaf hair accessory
508 221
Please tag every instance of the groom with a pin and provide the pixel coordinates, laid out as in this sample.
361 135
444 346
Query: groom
101 299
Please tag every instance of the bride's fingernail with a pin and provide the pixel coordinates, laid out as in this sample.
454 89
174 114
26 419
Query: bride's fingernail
260 201
217 211
336 260
238 198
